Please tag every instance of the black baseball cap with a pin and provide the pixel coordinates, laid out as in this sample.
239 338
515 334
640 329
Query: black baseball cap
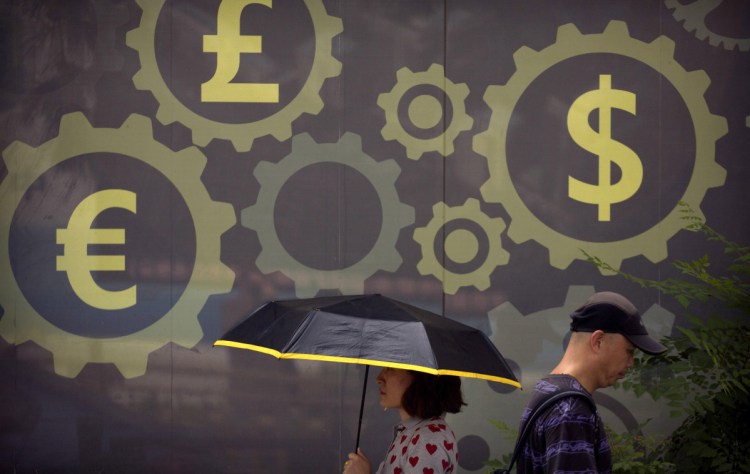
612 312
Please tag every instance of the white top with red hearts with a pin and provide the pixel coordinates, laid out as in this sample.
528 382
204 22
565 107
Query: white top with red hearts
423 447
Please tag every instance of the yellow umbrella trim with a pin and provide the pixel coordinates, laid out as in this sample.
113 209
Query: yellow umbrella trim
352 360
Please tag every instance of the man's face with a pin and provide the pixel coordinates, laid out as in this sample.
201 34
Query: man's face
616 356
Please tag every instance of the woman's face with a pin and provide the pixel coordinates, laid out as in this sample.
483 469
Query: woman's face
393 383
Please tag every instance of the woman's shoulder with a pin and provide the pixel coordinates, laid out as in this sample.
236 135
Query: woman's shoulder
435 427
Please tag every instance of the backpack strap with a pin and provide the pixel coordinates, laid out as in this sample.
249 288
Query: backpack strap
540 408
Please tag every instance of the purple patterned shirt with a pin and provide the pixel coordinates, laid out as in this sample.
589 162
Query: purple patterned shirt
565 439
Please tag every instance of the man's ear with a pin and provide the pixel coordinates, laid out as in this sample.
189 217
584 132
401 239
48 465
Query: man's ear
596 339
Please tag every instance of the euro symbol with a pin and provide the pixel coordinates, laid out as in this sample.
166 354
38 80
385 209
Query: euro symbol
227 43
76 261
604 193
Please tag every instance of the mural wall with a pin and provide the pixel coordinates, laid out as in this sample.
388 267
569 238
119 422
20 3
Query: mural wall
168 166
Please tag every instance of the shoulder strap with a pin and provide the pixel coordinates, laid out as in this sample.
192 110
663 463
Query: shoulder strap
540 408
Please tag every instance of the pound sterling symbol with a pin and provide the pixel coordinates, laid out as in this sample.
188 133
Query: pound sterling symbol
227 43
600 143
76 261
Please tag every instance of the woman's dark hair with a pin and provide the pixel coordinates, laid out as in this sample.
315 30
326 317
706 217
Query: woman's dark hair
432 395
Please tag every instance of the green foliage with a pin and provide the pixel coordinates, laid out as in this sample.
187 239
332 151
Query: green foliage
704 376
510 434
636 453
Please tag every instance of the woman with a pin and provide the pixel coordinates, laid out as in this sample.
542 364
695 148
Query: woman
423 442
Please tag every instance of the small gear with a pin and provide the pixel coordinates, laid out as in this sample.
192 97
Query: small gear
426 236
615 39
348 152
71 352
693 16
241 135
459 121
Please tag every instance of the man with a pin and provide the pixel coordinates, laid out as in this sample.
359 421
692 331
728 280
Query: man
569 435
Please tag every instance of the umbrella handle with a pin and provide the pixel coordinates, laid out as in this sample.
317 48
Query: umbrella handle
362 406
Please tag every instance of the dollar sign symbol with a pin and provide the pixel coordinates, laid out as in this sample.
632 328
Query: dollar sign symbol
227 43
600 143
79 264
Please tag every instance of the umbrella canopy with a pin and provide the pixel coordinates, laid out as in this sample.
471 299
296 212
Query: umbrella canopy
371 330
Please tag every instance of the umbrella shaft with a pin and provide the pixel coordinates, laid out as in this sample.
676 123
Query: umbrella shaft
362 407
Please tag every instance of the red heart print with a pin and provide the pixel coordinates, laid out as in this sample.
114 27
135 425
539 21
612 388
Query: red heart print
448 445
434 428
414 440
397 470
428 470
431 448
445 463
403 450
393 458
403 438
413 461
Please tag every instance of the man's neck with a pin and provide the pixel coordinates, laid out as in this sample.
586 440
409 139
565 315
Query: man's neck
575 371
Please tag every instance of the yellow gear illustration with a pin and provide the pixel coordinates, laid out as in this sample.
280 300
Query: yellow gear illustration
615 39
348 152
241 135
442 143
71 352
693 16
425 236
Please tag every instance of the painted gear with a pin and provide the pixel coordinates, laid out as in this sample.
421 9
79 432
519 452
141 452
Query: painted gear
430 265
524 225
71 352
305 152
693 16
442 143
241 135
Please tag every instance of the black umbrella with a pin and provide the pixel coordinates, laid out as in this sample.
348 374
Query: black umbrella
370 330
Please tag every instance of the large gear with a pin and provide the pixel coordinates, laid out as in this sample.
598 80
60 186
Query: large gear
452 281
129 353
348 152
241 135
460 121
615 39
693 16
